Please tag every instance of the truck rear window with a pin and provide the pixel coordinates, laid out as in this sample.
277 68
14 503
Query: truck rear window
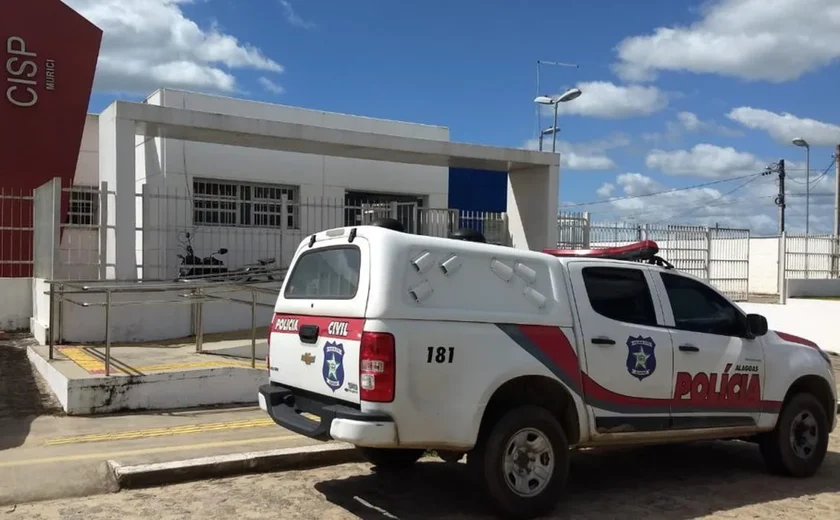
326 274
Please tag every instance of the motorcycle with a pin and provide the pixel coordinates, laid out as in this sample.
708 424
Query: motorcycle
210 266
193 266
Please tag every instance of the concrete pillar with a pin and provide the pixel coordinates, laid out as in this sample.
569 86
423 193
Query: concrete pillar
532 207
116 167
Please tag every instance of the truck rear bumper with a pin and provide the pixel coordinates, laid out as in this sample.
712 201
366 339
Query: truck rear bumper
337 422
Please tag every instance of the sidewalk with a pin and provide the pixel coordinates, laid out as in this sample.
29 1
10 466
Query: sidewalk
67 456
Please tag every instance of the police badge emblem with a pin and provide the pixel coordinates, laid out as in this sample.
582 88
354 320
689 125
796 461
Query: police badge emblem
333 367
641 359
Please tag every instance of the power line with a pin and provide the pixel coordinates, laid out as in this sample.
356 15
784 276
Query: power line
672 190
717 201
719 198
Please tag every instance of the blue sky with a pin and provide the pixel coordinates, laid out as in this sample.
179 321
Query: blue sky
675 94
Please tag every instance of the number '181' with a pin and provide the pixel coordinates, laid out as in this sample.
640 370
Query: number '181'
440 354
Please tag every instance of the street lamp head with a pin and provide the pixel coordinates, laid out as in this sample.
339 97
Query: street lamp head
572 93
544 100
549 131
801 142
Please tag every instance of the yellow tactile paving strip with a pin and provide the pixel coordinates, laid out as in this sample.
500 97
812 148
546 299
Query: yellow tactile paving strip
162 432
94 365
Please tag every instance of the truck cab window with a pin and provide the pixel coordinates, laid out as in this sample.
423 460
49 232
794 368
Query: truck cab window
697 308
621 294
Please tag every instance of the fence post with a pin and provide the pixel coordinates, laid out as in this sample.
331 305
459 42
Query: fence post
505 234
807 255
708 253
103 230
782 268
107 332
747 290
835 250
587 226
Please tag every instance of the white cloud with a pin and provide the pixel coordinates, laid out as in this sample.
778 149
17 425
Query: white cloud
586 155
688 122
785 127
606 190
742 203
704 160
777 41
750 206
148 44
270 86
293 18
605 100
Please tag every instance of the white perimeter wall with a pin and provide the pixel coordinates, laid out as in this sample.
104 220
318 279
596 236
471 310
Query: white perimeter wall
815 320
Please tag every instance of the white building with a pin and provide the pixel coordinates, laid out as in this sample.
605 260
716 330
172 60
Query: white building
256 179
230 196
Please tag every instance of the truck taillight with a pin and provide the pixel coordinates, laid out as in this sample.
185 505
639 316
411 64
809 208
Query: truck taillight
377 367
268 344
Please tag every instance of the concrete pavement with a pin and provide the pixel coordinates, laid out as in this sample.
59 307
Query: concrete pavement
67 456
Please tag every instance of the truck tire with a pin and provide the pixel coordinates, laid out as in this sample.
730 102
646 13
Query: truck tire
797 446
390 459
521 463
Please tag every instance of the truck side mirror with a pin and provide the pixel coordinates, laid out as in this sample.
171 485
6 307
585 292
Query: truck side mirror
757 324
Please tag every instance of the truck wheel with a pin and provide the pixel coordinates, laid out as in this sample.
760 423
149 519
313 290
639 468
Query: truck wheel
390 459
797 446
522 463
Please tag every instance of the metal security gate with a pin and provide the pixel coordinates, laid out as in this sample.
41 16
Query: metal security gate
715 254
404 212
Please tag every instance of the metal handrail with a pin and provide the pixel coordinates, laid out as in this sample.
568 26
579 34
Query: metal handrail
197 296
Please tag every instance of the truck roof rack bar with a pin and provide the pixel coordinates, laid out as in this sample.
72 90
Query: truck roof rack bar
644 251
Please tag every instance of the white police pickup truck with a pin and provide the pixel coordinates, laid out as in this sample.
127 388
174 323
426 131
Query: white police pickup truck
399 343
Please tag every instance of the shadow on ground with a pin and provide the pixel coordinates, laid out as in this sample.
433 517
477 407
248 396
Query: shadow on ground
23 396
678 482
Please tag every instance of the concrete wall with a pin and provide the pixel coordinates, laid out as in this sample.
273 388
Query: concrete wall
15 303
811 319
87 166
813 288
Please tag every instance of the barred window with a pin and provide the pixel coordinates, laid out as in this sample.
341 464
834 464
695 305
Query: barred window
224 203
84 207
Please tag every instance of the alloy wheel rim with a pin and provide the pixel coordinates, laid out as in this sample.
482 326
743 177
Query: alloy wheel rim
528 462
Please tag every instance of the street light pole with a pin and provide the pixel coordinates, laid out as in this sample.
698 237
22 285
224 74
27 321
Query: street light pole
565 97
545 132
555 64
803 143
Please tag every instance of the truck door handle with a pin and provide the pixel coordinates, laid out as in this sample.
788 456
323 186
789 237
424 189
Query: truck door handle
309 334
689 348
602 341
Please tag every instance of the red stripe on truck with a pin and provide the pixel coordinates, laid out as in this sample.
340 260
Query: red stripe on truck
796 339
328 327
550 345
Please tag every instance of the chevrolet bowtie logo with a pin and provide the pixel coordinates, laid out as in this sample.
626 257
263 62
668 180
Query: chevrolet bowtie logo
307 358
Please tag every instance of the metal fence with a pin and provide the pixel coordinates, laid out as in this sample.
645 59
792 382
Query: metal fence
810 256
718 255
270 230
16 231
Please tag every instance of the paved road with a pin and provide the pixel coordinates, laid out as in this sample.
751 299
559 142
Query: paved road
704 480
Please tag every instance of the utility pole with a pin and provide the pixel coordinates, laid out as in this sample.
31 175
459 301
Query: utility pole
836 230
780 198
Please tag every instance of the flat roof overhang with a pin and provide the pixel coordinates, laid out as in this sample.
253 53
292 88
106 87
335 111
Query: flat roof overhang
192 125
